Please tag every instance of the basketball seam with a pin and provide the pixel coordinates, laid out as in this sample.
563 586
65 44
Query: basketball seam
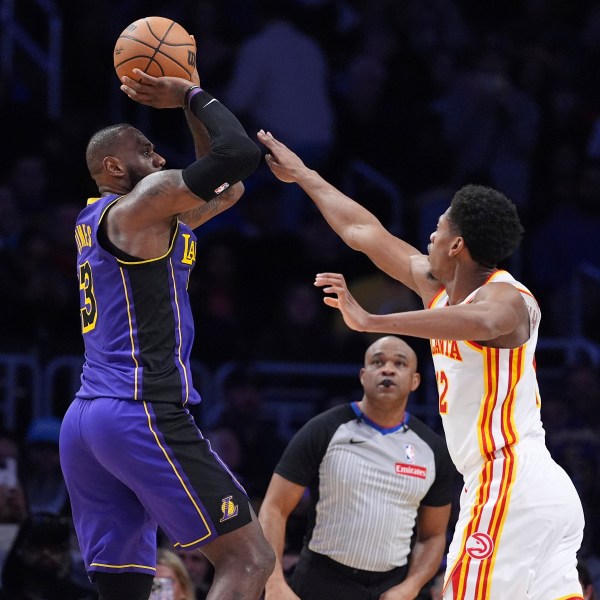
160 41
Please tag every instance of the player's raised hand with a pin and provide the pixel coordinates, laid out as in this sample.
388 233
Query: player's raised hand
355 316
285 164
158 92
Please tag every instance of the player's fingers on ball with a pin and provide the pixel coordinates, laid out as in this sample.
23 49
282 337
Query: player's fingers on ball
129 91
145 78
130 83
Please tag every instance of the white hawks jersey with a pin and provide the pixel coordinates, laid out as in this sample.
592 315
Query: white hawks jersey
520 522
489 397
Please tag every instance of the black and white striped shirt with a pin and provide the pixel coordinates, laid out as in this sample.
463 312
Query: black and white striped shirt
366 484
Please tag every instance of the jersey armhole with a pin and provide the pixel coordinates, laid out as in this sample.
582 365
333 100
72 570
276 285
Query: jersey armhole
107 245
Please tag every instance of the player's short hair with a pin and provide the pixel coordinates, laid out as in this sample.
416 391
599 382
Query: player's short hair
487 221
102 144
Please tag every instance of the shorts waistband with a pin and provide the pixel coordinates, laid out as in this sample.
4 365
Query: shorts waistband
358 575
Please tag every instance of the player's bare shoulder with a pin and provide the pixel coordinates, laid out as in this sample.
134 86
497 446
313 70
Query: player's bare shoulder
157 198
512 309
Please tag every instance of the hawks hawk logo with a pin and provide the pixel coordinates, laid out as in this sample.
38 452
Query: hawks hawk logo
228 508
479 545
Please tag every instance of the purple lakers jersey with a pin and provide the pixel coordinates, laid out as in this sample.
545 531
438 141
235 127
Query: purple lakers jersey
135 315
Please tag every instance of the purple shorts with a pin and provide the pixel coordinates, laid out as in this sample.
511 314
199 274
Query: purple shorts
132 466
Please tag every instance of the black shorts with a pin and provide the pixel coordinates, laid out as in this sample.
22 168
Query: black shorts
317 576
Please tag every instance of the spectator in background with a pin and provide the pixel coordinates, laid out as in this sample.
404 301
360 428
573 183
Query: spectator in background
297 334
200 570
42 476
246 415
214 47
492 126
582 393
562 243
226 443
9 446
44 307
29 183
563 138
170 566
13 505
39 565
280 82
218 300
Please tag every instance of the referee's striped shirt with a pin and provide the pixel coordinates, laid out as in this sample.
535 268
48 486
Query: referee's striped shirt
366 484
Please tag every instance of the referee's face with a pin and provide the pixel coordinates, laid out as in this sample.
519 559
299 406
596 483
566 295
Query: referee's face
390 369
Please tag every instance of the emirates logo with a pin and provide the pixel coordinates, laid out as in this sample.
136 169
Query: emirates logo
411 470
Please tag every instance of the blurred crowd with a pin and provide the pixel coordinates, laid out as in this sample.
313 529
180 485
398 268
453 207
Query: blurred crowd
398 103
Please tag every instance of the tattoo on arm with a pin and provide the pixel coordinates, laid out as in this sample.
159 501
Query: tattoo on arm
207 210
202 213
162 187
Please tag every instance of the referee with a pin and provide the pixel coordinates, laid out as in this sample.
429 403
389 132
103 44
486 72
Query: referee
376 475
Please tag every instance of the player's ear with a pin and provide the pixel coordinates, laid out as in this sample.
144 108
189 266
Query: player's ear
416 381
113 166
457 245
360 376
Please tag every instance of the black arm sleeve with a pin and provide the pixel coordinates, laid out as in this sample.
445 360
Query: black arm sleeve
233 156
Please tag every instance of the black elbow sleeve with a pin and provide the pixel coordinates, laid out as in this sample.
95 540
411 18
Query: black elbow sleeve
214 173
233 157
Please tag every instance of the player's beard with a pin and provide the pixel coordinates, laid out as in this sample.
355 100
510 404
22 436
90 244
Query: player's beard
134 177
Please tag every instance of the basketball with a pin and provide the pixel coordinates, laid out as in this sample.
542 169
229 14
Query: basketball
157 46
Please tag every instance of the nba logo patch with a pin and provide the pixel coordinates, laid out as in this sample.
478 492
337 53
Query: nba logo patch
409 453
228 508
222 188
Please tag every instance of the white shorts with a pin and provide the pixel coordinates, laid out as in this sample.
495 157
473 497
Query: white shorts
518 532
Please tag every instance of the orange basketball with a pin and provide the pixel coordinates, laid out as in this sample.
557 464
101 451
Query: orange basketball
157 46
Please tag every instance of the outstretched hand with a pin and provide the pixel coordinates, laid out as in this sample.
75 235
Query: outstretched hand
158 92
284 164
355 316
